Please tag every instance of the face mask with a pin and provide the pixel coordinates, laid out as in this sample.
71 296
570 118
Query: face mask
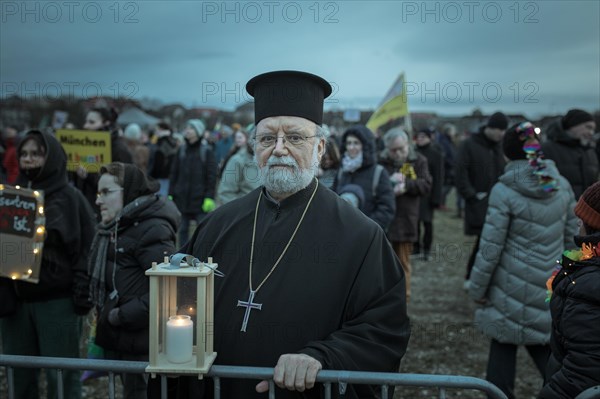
31 173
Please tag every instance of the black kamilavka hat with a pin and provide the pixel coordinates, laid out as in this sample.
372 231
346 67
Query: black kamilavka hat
288 93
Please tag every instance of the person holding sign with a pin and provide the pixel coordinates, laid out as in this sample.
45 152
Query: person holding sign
48 321
310 282
138 227
100 119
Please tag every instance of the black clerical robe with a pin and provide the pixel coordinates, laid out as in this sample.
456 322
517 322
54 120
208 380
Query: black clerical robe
337 295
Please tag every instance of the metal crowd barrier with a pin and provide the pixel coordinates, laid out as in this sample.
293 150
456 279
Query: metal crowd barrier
326 377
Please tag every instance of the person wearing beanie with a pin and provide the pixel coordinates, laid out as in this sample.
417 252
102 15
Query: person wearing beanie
297 257
359 166
430 149
574 293
571 147
137 228
479 164
529 223
193 178
48 319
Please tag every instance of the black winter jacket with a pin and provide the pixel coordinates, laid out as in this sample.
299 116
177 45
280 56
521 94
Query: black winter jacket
147 235
191 180
578 164
70 228
381 207
435 164
574 364
479 164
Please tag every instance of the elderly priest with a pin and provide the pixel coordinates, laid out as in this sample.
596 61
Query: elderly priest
310 282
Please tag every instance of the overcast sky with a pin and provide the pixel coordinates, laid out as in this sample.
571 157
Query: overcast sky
532 57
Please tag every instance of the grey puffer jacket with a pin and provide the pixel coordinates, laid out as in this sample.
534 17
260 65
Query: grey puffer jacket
526 230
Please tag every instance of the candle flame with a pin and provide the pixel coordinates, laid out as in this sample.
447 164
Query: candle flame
40 230
41 210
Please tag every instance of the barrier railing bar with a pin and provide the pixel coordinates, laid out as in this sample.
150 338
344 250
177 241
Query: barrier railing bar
59 384
260 373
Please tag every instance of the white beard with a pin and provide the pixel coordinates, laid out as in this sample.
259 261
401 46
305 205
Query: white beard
288 180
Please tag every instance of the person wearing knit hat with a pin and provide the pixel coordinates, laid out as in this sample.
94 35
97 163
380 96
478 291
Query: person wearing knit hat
193 178
137 228
574 295
570 145
529 223
479 164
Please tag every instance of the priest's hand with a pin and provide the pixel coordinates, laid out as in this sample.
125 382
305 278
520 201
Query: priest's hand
294 371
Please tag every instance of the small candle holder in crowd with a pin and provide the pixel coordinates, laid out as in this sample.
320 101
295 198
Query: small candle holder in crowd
181 316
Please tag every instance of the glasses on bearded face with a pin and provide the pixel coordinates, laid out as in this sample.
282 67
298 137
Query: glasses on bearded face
106 192
269 140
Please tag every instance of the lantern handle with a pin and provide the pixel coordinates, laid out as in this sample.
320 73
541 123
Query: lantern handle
184 260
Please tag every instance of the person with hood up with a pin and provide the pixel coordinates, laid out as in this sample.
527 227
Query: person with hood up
193 178
574 291
48 321
529 223
359 166
138 227
570 146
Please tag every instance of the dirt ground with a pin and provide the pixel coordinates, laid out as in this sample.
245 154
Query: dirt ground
443 339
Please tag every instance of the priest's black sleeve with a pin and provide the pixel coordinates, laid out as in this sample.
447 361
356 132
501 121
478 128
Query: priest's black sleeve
375 331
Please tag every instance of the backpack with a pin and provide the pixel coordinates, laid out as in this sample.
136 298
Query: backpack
376 177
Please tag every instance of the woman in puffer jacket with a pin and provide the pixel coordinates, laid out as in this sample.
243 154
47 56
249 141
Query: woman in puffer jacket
574 365
137 228
529 223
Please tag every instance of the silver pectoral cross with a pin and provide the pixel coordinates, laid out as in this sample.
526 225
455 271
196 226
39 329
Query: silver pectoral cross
249 305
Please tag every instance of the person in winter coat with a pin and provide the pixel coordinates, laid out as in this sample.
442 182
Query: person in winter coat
410 179
193 178
445 139
528 224
571 147
240 174
574 288
9 159
100 119
479 164
330 163
359 166
435 162
48 318
137 228
140 152
162 155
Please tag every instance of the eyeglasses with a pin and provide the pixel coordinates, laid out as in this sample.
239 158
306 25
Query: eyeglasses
269 140
105 191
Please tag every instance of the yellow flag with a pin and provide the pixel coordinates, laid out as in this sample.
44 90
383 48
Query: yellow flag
393 106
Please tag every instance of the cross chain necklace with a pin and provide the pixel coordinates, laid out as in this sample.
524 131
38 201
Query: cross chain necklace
249 305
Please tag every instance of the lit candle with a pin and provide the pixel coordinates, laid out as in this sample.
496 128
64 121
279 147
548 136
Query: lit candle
180 338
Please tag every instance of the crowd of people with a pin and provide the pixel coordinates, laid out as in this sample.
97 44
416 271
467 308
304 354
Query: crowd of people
363 202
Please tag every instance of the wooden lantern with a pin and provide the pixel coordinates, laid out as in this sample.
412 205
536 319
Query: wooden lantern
181 316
